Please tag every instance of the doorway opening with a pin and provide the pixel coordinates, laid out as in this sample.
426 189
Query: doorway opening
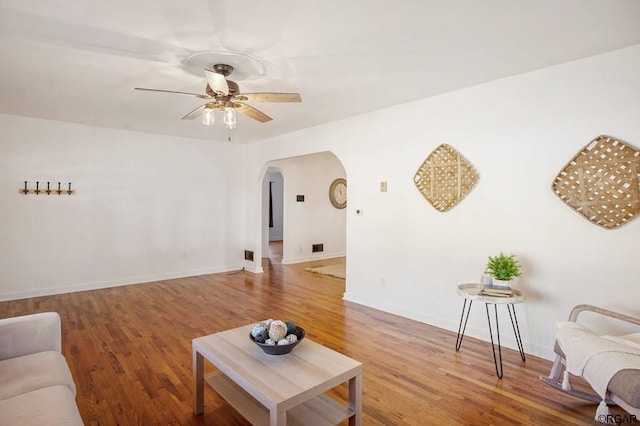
274 185
297 216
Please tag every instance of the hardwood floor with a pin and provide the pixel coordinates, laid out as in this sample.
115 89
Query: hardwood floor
129 350
275 251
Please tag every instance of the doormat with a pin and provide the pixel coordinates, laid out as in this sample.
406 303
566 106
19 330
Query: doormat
337 270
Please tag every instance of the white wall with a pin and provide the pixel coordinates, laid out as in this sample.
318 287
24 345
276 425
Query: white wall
147 207
405 257
315 220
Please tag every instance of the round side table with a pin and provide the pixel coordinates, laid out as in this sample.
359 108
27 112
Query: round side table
471 293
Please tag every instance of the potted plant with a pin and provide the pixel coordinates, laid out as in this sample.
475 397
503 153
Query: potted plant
503 268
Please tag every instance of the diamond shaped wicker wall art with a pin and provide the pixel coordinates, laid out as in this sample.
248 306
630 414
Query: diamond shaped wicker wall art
601 182
445 178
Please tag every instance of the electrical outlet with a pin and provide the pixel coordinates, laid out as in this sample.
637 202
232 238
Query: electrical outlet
383 186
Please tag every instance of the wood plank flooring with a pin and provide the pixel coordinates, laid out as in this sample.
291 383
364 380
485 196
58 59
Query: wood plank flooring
129 350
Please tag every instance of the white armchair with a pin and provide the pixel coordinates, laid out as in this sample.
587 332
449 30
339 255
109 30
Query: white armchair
37 386
611 368
30 334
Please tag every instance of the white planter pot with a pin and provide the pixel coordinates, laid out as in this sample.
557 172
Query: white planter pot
502 282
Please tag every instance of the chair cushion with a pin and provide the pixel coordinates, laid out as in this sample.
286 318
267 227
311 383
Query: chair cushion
625 384
51 406
29 334
35 371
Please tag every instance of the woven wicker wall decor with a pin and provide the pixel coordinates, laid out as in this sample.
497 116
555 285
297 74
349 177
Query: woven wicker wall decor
445 178
601 182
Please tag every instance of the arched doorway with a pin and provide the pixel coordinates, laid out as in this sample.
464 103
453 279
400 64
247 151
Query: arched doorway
309 220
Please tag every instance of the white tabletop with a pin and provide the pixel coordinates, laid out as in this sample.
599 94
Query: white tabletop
276 379
471 292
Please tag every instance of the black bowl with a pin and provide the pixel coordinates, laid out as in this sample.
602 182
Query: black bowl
280 349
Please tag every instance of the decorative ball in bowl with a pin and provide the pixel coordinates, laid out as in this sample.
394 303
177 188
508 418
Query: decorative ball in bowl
276 337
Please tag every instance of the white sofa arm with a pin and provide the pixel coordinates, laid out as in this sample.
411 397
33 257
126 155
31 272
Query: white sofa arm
29 334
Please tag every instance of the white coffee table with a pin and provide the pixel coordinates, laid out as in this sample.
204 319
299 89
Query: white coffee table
277 389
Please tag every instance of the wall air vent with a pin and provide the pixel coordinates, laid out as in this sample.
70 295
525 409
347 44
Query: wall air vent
317 248
248 255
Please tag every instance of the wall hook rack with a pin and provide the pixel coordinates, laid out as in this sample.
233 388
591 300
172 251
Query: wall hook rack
59 191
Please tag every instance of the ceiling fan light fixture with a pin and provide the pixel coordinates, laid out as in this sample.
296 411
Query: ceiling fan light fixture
208 117
221 93
230 117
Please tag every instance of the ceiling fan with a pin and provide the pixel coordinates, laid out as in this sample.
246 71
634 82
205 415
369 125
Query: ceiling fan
224 95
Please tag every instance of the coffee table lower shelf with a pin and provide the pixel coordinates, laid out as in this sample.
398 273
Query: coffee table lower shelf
321 410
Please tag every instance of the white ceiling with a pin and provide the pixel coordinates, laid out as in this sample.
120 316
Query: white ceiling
78 61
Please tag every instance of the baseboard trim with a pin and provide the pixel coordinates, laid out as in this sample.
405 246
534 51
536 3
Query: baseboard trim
114 283
478 332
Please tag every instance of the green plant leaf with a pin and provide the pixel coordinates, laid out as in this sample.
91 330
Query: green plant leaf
503 267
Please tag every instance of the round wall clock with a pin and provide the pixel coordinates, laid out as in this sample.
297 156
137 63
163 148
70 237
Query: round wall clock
338 193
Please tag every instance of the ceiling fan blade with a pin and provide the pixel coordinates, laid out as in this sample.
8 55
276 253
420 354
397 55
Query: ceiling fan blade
269 97
195 113
197 95
252 112
217 82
